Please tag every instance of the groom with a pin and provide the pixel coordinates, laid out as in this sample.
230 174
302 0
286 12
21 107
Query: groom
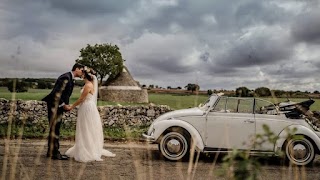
57 103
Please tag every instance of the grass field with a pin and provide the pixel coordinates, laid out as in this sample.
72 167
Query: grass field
174 101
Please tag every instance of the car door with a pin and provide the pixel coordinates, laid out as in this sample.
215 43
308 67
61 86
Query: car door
230 124
267 117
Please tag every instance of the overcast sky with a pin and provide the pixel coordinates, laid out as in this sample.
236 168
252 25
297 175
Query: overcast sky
218 44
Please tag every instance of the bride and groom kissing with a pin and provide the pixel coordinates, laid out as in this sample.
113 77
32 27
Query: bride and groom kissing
89 138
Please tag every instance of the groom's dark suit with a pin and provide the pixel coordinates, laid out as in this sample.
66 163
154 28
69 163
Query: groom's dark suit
57 98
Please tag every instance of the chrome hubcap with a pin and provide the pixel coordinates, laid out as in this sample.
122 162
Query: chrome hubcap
173 146
299 151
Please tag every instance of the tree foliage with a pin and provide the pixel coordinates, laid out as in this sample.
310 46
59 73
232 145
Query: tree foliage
242 92
192 87
278 93
262 91
43 84
105 59
16 85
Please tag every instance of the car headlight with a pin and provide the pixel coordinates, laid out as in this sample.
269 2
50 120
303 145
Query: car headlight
152 132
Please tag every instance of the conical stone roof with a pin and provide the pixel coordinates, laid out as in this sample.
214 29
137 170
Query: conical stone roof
124 88
123 80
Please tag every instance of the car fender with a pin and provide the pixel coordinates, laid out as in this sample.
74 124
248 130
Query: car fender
300 130
161 126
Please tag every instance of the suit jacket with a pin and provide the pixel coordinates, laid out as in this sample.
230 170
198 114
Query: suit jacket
61 91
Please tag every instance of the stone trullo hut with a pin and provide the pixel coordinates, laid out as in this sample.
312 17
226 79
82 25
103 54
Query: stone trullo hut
124 88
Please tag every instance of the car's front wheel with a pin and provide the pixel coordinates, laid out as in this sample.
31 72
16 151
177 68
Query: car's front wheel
174 146
300 151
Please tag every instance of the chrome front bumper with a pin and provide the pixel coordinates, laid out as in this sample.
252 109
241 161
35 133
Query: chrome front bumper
148 138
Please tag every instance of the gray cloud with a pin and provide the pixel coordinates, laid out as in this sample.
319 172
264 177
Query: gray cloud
85 8
306 27
217 44
156 52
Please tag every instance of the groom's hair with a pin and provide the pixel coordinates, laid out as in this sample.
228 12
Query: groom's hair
77 65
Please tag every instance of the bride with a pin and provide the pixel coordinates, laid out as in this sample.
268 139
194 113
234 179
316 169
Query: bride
89 134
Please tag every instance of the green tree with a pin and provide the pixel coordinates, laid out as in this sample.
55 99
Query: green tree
262 91
105 59
49 85
192 87
279 93
3 82
42 84
209 92
17 85
242 92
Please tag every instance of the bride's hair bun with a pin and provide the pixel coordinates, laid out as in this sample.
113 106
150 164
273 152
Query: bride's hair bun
89 73
93 72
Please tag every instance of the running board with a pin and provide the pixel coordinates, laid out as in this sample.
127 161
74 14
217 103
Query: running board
224 150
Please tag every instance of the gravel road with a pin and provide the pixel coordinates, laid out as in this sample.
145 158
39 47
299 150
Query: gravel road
25 159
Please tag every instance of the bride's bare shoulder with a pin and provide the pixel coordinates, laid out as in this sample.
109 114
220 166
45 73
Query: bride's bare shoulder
88 85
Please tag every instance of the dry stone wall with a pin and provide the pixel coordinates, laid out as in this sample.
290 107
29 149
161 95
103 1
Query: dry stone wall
35 113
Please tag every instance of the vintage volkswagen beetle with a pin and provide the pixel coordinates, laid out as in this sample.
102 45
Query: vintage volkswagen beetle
226 123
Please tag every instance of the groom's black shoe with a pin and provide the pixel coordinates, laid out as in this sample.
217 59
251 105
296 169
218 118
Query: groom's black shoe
60 157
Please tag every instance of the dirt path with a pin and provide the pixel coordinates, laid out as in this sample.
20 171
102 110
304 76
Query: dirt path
25 159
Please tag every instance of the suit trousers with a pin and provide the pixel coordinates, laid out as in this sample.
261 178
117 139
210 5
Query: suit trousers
54 117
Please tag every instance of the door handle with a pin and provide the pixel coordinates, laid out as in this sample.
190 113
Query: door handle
249 121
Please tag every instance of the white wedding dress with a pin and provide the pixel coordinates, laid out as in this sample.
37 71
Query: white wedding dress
89 133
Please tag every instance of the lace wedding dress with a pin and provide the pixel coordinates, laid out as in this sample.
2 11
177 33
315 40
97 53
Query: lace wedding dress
89 139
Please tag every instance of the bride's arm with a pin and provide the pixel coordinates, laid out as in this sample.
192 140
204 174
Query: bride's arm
85 92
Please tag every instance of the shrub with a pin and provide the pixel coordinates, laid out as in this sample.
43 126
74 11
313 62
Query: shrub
17 85
242 92
42 85
263 91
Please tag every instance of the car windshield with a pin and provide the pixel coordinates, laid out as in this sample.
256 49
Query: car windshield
208 103
205 104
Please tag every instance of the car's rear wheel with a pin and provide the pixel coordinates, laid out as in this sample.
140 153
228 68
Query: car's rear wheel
174 146
300 152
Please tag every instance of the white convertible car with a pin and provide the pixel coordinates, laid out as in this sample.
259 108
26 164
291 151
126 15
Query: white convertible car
226 123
